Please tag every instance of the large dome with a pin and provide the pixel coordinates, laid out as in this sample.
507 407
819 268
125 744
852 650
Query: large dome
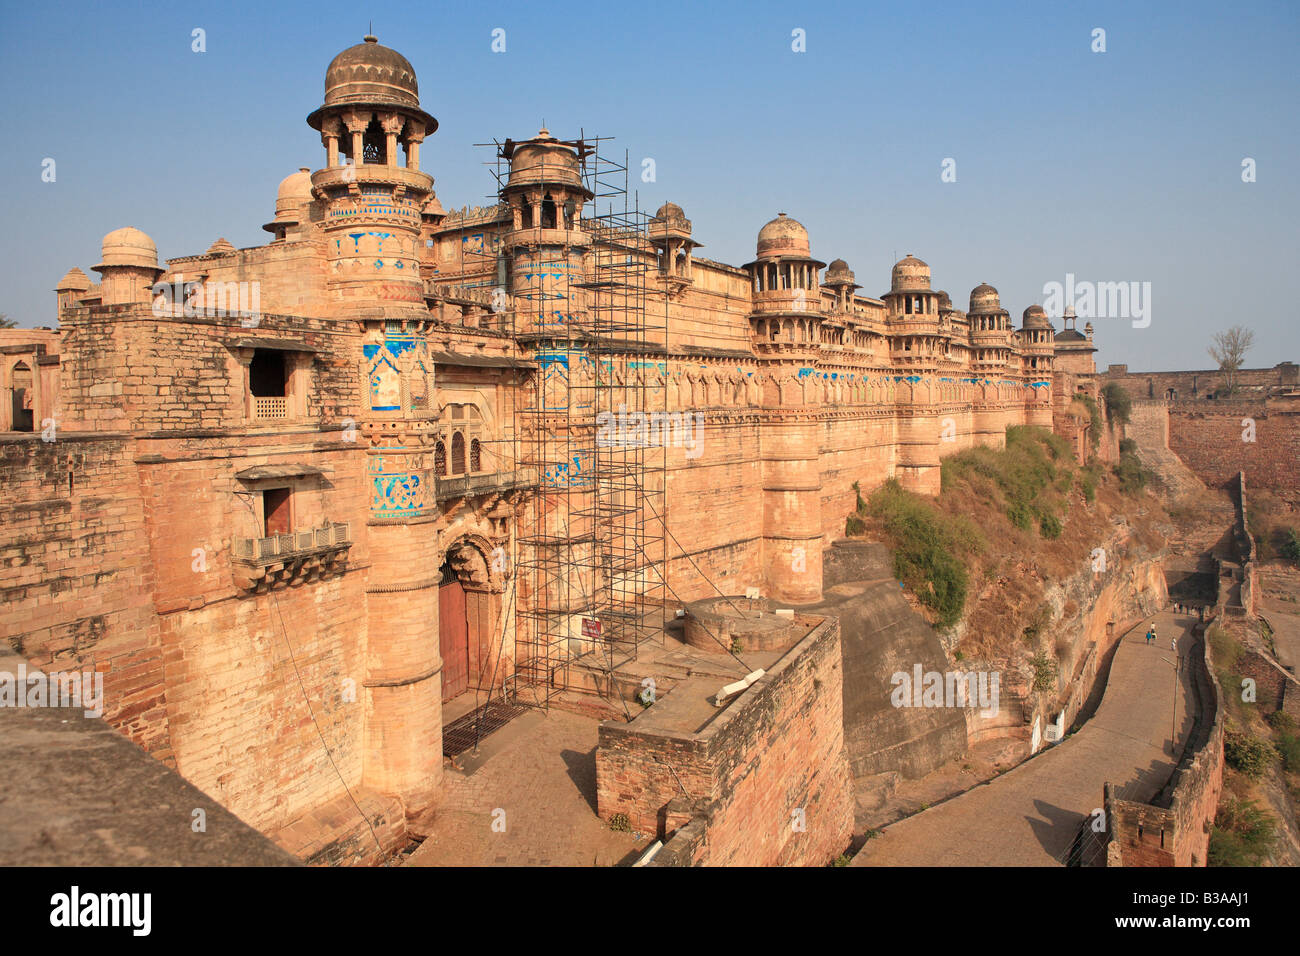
128 246
369 77
984 299
783 236
910 275
372 74
1035 318
545 160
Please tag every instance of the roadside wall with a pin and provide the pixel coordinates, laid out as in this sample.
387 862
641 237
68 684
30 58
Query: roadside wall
775 750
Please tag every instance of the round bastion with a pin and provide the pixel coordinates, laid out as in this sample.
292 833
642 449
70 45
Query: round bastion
716 624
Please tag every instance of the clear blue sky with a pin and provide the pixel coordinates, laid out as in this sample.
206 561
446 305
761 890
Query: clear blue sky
1115 166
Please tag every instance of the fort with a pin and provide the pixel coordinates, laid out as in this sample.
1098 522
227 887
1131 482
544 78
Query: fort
337 492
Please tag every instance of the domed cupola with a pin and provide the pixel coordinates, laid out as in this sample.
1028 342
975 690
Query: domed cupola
990 330
840 278
910 274
787 314
913 313
371 206
1036 340
372 105
129 267
783 236
670 233
292 203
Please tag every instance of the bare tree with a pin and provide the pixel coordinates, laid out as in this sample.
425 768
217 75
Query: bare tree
1229 350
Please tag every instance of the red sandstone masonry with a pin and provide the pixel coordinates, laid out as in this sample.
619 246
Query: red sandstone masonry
78 578
776 748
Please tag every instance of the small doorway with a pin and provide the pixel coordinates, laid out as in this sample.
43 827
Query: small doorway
21 408
276 511
453 634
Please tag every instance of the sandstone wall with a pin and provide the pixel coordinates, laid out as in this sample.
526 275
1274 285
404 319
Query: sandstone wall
777 748
78 575
1209 438
1198 383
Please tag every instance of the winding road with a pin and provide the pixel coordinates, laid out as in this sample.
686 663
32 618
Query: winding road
1031 815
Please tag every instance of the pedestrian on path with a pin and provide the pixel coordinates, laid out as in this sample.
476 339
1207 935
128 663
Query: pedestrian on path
1151 633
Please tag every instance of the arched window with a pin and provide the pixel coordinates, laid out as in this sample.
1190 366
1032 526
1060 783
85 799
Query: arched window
458 454
440 460
23 412
374 145
548 212
475 459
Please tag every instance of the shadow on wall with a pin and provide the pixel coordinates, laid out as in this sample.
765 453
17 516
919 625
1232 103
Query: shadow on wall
881 635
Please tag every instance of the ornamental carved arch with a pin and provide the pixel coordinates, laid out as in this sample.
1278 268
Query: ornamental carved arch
470 555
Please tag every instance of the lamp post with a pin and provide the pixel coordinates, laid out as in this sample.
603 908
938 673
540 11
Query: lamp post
1173 727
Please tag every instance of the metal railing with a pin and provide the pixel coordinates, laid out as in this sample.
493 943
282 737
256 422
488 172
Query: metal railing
295 543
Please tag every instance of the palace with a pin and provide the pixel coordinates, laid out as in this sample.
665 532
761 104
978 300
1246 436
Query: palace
313 490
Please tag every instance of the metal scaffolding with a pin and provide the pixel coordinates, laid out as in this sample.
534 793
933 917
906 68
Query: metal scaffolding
587 588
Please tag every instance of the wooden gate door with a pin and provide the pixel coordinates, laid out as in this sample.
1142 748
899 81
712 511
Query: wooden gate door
453 633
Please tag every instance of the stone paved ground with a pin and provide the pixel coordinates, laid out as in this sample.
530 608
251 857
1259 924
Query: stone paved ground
1280 586
1029 816
542 773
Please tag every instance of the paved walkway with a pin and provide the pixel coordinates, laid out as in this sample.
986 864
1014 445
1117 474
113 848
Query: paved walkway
540 769
1029 816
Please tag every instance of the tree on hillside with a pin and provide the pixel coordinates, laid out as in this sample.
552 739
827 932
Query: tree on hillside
6 322
1118 404
1229 350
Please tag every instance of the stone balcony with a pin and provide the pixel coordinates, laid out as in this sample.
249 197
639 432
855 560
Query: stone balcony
260 563
469 486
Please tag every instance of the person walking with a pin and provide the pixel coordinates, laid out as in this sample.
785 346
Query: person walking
1150 634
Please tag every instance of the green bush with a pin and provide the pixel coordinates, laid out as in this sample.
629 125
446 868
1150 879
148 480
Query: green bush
1281 721
1118 405
1242 834
929 548
1288 745
1044 672
1246 754
1291 545
1034 461
1089 475
1049 526
1094 417
854 526
1132 476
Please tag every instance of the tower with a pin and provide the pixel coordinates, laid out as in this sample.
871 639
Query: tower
372 209
546 246
990 337
786 324
916 347
373 204
1038 351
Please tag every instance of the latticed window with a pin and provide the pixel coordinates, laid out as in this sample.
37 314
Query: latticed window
440 460
458 454
474 456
